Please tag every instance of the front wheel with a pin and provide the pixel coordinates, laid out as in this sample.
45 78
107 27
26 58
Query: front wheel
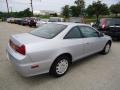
106 48
60 66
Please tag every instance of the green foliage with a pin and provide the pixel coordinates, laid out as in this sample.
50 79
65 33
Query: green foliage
24 13
80 6
115 8
80 3
97 9
65 11
90 11
43 16
74 11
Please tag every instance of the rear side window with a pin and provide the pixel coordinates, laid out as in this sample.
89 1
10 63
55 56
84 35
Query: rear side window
88 31
73 33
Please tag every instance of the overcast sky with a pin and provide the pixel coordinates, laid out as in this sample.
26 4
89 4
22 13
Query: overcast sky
54 5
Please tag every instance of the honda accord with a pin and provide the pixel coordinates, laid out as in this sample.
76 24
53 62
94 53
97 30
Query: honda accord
53 47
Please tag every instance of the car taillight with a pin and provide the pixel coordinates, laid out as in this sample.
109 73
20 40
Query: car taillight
104 23
21 49
103 26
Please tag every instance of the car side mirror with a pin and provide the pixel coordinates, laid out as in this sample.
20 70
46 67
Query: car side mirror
101 34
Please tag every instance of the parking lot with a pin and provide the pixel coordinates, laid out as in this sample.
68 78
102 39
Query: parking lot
97 72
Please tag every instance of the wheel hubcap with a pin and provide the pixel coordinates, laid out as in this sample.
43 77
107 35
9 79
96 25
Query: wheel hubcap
62 66
107 48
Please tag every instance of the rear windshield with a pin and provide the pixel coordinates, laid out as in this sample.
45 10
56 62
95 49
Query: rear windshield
48 30
110 22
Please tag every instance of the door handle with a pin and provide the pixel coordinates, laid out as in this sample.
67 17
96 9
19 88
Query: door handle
86 43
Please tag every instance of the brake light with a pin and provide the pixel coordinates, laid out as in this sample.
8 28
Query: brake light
104 22
21 49
103 26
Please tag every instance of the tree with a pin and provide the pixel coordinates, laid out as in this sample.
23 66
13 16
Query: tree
80 6
65 11
115 8
97 9
25 13
74 11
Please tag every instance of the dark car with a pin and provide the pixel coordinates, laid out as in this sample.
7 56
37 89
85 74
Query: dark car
32 22
25 21
56 19
110 26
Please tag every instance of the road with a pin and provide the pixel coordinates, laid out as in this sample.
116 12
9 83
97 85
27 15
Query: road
97 72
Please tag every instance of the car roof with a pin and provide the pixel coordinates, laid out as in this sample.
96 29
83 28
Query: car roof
111 18
71 23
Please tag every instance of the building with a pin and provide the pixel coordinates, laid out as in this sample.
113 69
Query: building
45 12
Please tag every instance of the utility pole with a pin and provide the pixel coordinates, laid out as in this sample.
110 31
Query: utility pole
10 9
31 6
7 6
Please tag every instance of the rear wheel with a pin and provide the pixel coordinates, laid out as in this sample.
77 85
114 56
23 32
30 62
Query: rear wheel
60 66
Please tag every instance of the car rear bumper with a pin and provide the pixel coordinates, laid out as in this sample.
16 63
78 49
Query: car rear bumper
24 68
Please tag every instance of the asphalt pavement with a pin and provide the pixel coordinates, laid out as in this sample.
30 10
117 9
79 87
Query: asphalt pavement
97 72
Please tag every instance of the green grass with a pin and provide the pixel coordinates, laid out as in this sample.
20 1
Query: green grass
88 21
93 19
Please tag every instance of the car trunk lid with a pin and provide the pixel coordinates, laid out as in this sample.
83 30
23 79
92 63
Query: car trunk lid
21 42
26 38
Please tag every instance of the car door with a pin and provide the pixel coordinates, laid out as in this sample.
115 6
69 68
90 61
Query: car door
93 42
75 43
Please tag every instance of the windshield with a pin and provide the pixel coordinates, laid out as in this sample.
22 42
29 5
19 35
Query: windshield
114 22
48 30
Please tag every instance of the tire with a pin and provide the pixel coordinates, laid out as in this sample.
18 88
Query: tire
106 48
60 66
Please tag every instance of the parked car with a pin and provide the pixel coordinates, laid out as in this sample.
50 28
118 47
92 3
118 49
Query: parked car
110 26
41 22
32 23
10 20
25 21
76 20
18 21
56 19
54 46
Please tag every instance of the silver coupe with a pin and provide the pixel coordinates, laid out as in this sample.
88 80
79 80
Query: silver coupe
54 46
